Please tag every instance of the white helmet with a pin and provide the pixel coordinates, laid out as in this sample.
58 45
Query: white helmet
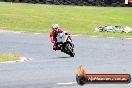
55 27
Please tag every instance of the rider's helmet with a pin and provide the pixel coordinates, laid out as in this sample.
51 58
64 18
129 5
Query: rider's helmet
55 27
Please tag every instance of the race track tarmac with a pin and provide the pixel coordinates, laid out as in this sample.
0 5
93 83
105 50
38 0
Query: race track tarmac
50 69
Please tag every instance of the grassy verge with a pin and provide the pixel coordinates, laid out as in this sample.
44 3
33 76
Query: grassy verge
74 19
4 58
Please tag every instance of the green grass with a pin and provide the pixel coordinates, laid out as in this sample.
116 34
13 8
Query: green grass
74 19
4 58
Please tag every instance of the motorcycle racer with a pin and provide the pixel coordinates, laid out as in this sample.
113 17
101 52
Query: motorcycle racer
53 34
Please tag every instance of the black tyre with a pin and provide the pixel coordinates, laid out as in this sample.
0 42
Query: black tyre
70 50
113 4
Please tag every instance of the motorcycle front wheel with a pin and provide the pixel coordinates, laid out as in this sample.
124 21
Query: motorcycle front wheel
70 50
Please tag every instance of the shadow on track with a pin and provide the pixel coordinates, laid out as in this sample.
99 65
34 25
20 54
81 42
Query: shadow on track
65 57
62 58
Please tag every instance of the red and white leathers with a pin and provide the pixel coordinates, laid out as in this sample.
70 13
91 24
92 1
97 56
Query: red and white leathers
53 36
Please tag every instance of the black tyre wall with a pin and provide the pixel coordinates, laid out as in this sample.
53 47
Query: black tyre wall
2 0
112 3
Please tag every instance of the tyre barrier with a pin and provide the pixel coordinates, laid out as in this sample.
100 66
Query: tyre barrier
105 3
